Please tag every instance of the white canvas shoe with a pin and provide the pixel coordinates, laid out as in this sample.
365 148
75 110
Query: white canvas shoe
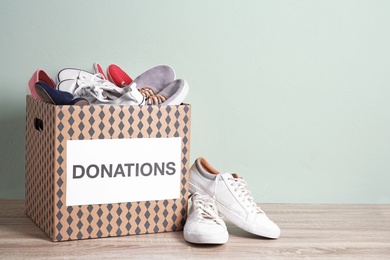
233 199
73 73
204 225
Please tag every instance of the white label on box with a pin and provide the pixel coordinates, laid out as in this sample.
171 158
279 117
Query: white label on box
122 170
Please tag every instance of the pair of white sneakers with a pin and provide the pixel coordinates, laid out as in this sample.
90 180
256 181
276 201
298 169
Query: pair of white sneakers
215 193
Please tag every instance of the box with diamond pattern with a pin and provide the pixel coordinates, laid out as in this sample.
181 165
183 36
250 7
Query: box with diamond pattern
129 200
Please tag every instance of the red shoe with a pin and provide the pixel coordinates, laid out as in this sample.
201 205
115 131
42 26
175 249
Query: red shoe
39 75
117 76
98 69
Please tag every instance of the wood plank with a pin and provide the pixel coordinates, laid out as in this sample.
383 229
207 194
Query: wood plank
308 231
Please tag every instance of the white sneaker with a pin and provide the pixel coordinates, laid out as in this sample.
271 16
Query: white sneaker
204 225
97 90
233 199
73 73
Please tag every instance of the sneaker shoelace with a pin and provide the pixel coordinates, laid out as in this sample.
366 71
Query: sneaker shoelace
241 188
151 97
206 209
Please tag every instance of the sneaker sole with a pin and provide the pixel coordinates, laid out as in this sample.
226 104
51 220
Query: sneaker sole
204 240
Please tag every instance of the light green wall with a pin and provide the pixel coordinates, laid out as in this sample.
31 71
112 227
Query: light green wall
292 95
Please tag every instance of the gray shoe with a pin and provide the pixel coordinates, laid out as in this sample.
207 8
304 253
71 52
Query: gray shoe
155 78
176 92
160 87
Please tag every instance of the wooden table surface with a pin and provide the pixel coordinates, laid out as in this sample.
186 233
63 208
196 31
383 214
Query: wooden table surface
308 231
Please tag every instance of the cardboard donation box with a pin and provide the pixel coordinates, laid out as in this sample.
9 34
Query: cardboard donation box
106 170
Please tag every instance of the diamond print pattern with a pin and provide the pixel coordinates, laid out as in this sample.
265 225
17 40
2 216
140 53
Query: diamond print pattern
39 168
46 170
